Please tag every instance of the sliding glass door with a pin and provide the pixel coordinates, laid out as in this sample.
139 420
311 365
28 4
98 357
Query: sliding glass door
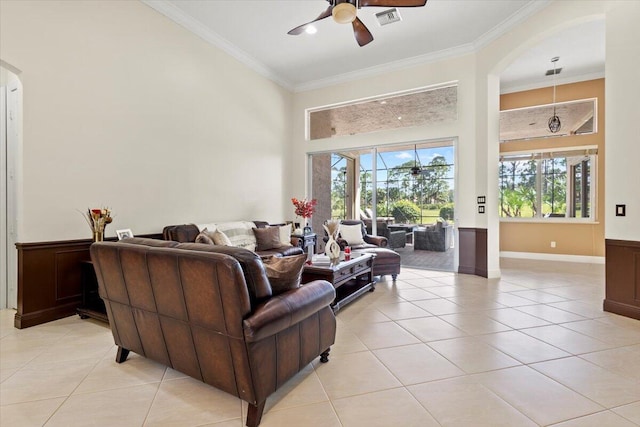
413 184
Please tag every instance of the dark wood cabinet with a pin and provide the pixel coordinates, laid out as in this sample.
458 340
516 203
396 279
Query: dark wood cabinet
92 305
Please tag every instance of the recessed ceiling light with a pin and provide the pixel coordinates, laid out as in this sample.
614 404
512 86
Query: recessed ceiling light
399 117
383 102
311 29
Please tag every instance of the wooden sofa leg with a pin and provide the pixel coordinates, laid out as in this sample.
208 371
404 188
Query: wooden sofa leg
122 354
324 356
254 415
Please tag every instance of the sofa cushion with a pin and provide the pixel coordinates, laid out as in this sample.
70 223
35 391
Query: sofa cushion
240 233
204 237
285 234
352 234
284 273
219 238
267 238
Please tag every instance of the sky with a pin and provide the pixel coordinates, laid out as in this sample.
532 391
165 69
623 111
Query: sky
395 158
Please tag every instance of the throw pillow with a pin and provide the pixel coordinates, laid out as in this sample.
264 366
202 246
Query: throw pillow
219 238
352 234
267 238
285 235
204 237
284 273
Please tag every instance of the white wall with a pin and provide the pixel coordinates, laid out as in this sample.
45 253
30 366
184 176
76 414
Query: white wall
124 108
622 89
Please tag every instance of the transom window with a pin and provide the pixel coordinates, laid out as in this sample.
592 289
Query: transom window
548 184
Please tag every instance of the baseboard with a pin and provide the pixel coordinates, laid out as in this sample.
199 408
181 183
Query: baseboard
43 316
621 309
553 257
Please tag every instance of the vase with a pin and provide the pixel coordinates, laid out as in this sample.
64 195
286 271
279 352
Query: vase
332 249
98 235
307 229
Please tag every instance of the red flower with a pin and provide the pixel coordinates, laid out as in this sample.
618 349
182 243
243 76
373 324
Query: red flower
303 207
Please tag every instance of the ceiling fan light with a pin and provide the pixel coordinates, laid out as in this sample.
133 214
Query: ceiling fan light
344 13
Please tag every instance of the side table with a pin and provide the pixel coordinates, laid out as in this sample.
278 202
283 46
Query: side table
92 305
306 240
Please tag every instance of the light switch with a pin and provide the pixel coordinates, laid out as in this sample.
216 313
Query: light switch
621 210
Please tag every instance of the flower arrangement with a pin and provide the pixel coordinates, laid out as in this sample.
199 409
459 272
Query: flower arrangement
304 207
98 218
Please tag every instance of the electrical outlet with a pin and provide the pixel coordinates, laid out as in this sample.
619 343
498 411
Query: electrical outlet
553 244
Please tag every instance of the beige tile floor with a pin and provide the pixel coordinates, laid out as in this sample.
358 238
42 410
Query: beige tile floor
533 348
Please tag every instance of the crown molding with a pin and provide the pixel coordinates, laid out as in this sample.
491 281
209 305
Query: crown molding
514 20
491 35
200 30
385 68
179 17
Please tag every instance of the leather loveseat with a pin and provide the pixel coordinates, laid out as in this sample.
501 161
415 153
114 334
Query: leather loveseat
208 311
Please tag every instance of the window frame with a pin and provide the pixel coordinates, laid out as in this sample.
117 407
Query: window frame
590 151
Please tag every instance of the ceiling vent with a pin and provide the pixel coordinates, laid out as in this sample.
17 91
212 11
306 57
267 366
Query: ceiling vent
550 72
388 17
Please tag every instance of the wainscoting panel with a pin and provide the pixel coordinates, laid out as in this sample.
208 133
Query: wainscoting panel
622 278
473 251
49 279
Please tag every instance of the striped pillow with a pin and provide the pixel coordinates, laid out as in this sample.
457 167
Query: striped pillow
240 233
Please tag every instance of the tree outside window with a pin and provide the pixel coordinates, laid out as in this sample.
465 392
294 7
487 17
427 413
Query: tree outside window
546 185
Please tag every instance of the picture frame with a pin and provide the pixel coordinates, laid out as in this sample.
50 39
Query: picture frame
124 233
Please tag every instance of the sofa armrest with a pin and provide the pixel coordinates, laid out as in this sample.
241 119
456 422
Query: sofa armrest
288 308
376 240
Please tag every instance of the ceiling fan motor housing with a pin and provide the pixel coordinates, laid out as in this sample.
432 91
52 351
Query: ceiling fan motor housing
344 13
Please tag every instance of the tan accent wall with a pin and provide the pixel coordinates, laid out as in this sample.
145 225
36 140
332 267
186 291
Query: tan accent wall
571 238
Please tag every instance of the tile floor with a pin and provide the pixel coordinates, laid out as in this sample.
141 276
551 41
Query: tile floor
533 348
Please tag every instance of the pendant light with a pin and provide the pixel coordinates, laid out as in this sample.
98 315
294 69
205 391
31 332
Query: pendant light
554 121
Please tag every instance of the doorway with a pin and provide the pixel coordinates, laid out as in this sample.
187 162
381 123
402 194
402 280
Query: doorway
10 108
397 191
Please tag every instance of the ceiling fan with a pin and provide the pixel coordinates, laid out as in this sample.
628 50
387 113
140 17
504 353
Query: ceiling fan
345 12
416 170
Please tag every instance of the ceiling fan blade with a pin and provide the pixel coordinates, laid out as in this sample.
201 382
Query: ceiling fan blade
300 29
362 33
392 3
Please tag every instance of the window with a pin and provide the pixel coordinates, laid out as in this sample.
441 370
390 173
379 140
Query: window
416 108
551 184
415 184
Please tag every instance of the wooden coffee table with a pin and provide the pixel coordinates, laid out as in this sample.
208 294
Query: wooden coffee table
350 278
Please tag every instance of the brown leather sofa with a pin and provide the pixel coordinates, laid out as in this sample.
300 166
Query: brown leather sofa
208 311
185 233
